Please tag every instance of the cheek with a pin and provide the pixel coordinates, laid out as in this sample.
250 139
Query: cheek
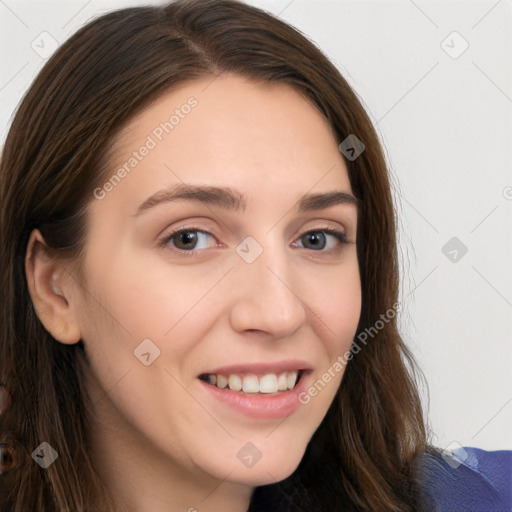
149 298
135 300
337 305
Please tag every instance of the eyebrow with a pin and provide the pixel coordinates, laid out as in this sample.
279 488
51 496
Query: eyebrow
231 199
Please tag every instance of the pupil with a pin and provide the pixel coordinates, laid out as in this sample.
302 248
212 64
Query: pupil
315 240
187 239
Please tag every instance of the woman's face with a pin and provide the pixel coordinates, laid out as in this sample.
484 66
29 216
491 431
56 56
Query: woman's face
259 283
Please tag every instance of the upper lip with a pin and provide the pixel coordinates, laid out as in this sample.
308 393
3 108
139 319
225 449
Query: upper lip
260 368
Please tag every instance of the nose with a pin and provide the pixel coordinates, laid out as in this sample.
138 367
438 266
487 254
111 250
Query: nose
266 296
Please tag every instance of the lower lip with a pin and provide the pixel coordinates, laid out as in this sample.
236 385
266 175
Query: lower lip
260 406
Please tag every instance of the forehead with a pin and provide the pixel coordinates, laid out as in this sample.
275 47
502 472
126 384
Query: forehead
230 130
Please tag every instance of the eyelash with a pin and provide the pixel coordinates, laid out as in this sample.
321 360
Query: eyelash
339 235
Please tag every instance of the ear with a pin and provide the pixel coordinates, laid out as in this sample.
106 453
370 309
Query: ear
49 285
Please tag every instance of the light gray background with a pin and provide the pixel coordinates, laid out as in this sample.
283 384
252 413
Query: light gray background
446 125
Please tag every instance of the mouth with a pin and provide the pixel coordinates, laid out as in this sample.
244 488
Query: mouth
255 384
262 391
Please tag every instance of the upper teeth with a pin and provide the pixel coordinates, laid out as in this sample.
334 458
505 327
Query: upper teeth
251 383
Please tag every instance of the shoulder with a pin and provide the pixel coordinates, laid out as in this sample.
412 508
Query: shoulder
467 480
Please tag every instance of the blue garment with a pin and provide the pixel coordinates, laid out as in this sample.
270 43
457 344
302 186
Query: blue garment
468 480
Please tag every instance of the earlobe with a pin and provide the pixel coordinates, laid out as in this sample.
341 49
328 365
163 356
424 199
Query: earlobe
46 285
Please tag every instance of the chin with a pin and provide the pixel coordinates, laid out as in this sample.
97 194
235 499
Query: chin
273 466
264 475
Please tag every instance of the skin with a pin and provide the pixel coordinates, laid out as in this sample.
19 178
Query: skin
161 442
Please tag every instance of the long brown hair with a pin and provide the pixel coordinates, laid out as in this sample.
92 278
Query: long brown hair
362 457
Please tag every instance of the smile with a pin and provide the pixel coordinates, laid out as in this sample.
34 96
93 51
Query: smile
252 383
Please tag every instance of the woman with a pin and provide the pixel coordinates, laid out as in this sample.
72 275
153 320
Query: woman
198 232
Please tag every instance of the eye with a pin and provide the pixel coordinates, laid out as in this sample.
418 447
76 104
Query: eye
188 239
322 239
